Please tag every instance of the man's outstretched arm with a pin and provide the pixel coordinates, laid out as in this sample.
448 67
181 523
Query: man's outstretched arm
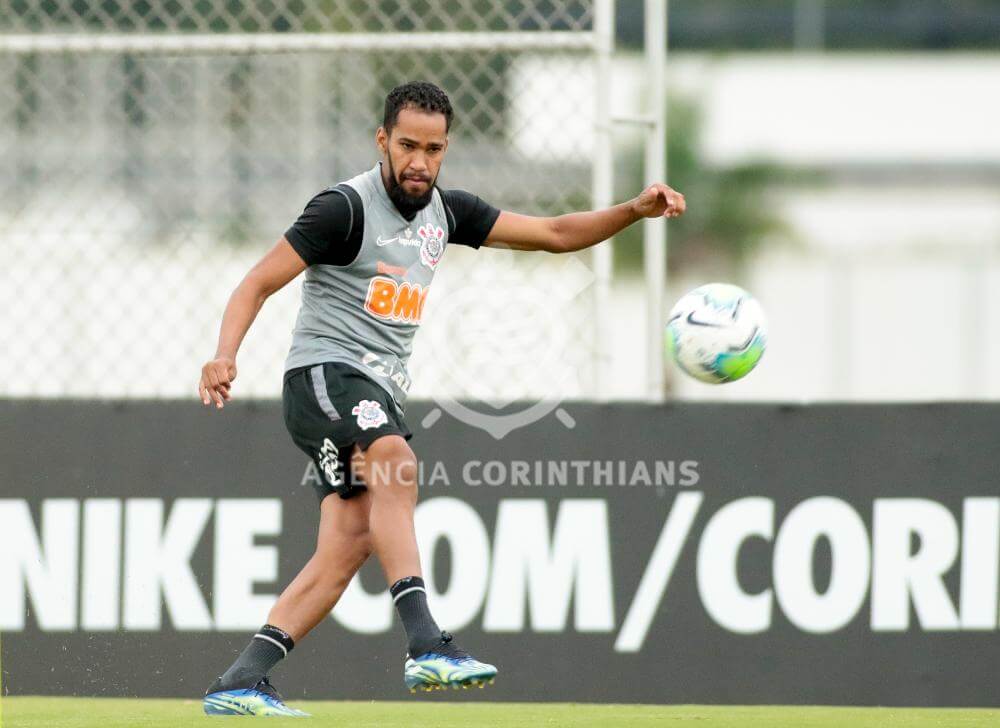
278 266
579 230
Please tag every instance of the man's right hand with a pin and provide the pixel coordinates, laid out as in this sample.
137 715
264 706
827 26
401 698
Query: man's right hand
216 379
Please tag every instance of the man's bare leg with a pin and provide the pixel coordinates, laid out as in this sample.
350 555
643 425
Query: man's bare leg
389 469
342 546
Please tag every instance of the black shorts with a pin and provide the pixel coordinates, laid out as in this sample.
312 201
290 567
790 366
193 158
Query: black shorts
331 407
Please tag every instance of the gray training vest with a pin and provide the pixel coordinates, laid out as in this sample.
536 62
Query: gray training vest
365 314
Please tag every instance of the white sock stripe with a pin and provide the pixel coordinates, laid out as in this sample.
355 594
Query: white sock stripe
407 591
260 636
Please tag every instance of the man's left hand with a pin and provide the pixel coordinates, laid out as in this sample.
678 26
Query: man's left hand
658 200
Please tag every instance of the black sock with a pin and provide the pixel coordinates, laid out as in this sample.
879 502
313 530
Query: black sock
410 599
265 650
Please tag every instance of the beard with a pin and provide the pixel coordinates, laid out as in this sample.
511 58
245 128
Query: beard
407 204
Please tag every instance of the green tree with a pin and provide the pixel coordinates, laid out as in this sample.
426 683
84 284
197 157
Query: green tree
730 210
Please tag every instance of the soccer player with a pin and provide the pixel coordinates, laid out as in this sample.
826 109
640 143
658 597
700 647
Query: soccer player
370 247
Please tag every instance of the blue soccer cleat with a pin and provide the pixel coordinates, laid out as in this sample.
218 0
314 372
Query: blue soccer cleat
260 700
446 666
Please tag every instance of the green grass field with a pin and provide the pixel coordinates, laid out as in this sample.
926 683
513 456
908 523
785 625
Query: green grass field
32 712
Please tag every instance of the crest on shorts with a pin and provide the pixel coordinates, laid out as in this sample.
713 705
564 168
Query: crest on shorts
431 244
370 414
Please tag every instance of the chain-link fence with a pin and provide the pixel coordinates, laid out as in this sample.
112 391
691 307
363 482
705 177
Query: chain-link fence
282 16
153 150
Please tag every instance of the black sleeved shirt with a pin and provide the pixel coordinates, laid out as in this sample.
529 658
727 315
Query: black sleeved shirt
330 229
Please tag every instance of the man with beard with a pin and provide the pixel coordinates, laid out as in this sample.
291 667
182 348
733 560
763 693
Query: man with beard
370 247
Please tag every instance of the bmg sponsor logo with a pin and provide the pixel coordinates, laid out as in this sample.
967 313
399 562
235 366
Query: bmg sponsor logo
546 566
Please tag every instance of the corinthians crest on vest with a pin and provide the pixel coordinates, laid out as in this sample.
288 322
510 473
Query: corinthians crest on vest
431 244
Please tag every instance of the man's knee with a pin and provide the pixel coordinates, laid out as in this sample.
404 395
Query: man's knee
364 547
357 553
337 563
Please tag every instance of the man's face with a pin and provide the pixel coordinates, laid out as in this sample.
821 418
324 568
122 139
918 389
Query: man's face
412 154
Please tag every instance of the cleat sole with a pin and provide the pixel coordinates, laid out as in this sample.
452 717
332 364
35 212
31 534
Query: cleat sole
466 685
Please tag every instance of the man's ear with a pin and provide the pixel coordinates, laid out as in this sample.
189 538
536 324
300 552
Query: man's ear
382 139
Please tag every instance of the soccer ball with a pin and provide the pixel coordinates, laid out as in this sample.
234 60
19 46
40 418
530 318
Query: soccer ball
717 333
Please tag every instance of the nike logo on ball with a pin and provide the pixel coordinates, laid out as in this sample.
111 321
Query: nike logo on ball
695 322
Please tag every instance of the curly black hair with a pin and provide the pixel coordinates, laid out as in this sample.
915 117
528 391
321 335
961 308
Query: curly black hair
419 95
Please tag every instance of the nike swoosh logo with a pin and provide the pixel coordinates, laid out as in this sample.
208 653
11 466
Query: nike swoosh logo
745 344
695 322
380 242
